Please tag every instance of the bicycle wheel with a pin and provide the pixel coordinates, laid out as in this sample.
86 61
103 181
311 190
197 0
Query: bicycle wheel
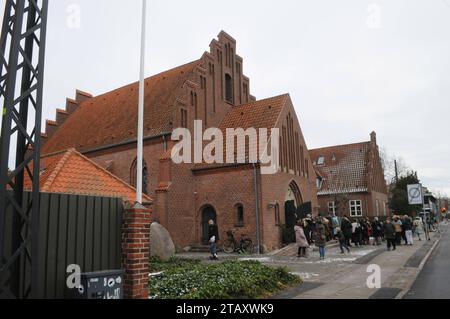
228 246
247 246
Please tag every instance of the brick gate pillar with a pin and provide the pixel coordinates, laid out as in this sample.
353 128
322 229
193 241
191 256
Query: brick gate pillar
135 251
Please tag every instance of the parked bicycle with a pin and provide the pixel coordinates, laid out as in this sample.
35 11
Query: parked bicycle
231 245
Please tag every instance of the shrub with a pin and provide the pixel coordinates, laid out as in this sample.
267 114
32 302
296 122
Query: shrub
230 280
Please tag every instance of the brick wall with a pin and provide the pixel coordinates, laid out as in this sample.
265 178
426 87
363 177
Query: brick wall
275 187
135 252
123 157
368 200
223 190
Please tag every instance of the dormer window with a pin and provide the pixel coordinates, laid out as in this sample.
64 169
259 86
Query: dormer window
319 182
228 88
321 160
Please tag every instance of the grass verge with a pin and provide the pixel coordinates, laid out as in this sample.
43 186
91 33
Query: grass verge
190 279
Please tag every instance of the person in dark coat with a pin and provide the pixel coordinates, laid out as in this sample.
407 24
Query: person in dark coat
377 229
356 233
347 230
364 232
389 234
326 223
213 237
359 231
342 242
307 228
313 226
398 230
321 239
408 228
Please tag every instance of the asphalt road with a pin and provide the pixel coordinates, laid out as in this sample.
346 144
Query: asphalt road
434 280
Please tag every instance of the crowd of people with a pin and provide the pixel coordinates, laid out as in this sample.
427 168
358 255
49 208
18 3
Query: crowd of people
394 231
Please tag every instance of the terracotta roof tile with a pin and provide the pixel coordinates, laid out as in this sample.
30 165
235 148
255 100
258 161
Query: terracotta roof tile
344 169
70 172
111 118
258 114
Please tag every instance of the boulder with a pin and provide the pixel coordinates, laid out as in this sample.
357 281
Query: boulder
161 244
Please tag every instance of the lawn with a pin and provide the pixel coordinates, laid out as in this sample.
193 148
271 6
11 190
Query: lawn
190 279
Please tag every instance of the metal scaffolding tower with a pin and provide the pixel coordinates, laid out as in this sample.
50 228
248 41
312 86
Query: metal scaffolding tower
22 46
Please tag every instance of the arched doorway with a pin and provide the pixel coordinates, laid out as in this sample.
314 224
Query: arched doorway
208 213
293 200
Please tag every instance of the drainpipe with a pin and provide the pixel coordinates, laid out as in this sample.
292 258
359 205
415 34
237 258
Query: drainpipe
258 226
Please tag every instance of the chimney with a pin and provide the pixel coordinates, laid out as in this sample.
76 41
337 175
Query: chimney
373 137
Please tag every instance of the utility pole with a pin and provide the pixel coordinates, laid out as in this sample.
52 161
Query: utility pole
140 135
22 46
396 171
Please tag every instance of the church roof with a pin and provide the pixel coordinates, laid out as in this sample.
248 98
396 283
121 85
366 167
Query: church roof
258 114
111 118
69 172
343 168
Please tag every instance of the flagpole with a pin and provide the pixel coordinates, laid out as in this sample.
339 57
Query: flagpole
140 137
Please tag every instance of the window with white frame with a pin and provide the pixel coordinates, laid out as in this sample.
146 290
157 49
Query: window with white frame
356 208
332 207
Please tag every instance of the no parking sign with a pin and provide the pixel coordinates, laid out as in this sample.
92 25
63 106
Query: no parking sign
415 194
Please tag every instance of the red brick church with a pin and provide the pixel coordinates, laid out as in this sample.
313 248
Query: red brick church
185 196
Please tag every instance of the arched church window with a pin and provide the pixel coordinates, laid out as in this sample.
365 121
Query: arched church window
228 88
145 177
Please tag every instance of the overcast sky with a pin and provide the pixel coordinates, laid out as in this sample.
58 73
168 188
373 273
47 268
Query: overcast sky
350 66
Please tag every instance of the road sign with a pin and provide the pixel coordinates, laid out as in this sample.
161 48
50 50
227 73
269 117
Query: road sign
415 194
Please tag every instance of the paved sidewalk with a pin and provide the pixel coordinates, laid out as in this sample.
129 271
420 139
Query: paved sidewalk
346 277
